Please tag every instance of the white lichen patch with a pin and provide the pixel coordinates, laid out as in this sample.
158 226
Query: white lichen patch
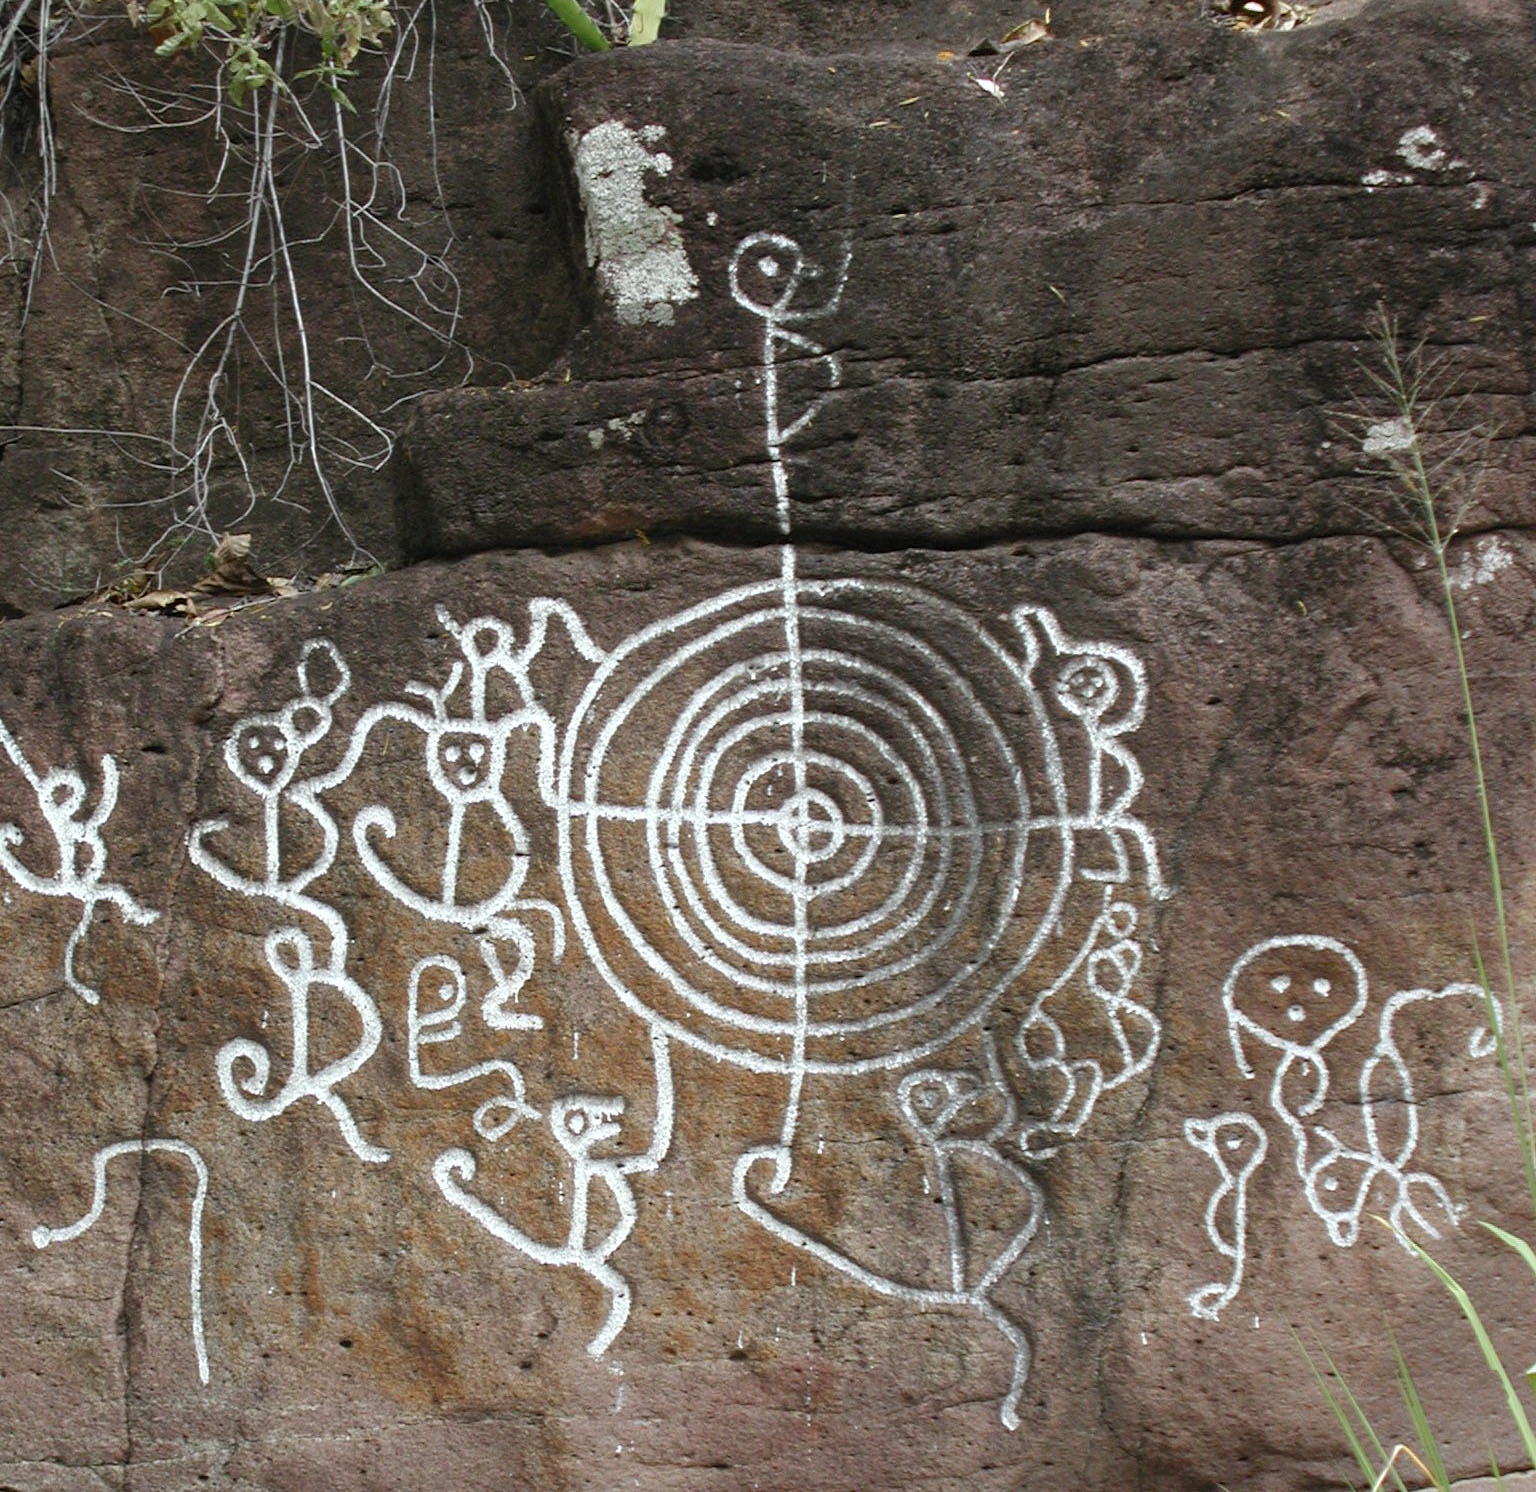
1486 560
1421 148
634 245
1387 437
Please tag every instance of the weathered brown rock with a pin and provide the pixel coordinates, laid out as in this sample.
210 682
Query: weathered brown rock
1123 297
970 862
1305 772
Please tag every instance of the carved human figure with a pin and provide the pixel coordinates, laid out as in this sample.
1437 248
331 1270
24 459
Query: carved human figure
1287 1000
1236 1145
263 753
79 849
959 1119
1101 689
465 757
580 1123
1293 996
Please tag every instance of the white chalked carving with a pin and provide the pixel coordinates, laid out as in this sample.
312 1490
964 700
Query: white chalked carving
815 826
1104 689
851 860
1236 1145
43 1236
945 1111
466 762
779 265
1287 1001
1340 1180
81 852
1107 964
245 1066
263 753
444 977
580 1124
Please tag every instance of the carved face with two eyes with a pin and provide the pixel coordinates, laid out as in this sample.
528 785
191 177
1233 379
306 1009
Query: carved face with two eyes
466 762
263 751
1235 1142
1294 994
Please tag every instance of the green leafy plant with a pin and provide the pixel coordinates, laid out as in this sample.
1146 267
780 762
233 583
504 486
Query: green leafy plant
245 32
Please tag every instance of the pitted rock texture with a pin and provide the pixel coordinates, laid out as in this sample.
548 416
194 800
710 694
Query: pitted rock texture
884 897
1305 773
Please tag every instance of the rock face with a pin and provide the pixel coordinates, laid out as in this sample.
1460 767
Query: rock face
885 901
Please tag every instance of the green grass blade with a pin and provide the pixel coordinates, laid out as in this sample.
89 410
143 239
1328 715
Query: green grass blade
645 22
1433 1460
1485 1343
1347 1418
1510 1050
1528 1255
579 24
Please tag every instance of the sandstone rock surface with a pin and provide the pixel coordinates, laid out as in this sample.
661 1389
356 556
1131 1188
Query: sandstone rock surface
885 897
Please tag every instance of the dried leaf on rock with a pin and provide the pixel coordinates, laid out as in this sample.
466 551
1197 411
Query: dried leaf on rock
230 571
1261 15
1025 34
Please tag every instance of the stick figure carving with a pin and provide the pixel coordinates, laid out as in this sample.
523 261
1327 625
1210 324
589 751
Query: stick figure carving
958 1118
580 1123
466 762
1287 1001
263 753
79 848
1236 1145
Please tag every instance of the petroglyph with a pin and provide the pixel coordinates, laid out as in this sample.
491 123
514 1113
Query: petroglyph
43 1236
1287 1001
79 849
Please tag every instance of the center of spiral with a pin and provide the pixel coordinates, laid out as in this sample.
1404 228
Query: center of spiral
810 826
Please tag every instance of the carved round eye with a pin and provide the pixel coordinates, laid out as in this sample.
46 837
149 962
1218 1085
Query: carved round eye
769 266
1331 1184
1088 685
477 751
452 754
1323 987
1280 983
1234 1142
576 1123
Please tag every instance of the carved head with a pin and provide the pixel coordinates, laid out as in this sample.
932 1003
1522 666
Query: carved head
582 1121
930 1098
1294 994
466 764
1236 1143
